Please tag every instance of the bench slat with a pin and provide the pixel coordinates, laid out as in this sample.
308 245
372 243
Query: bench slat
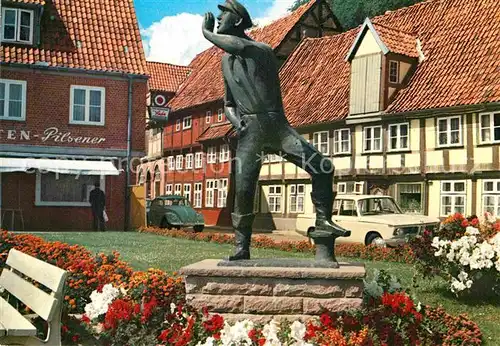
48 275
13 322
43 304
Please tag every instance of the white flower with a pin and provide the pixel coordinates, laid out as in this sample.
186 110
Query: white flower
297 331
172 308
456 286
236 334
209 342
270 332
462 276
471 230
100 301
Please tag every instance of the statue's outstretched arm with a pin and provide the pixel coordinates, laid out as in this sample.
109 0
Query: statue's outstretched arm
228 43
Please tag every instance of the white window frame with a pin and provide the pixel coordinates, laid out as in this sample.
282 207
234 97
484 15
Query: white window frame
187 122
189 161
491 128
186 192
494 193
87 89
177 125
397 71
275 197
318 143
341 188
198 159
210 187
222 193
448 131
171 163
208 117
7 83
198 195
179 164
178 189
359 187
338 141
18 25
168 189
372 139
398 137
212 154
219 115
295 196
38 194
453 195
224 153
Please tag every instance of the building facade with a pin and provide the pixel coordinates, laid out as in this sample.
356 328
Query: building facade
405 105
71 112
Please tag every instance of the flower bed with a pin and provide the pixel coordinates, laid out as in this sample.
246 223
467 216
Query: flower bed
465 252
123 307
401 254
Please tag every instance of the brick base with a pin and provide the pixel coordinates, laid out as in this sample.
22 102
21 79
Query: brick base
263 293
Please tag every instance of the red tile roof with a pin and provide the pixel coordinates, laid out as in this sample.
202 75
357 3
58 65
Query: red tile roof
36 2
461 67
166 77
96 35
216 131
397 41
205 84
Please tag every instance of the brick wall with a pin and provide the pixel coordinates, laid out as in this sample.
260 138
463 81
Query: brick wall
48 105
18 191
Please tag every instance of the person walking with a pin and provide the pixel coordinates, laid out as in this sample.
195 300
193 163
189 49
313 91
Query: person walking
97 201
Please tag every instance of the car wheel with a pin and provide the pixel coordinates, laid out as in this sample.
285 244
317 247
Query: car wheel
198 228
165 224
375 239
309 231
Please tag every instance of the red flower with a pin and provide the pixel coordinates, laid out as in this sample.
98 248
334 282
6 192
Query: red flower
64 329
325 319
85 319
474 222
215 324
464 223
75 338
163 335
204 310
148 309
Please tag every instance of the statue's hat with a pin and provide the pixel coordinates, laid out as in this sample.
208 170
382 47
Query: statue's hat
237 8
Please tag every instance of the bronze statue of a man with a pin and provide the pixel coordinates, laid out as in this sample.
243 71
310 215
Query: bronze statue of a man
254 106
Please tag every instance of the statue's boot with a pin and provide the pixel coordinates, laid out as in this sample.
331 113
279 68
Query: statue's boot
242 225
324 225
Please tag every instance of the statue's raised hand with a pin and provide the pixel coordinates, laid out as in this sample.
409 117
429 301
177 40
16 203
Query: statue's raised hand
209 22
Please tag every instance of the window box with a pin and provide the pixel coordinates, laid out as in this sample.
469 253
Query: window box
449 132
410 197
453 197
399 137
321 142
17 25
489 128
65 190
187 122
372 139
12 100
342 141
87 105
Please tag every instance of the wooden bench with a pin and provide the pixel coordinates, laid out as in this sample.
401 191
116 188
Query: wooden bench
15 329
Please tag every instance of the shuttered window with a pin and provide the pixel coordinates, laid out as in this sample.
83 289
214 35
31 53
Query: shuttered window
364 94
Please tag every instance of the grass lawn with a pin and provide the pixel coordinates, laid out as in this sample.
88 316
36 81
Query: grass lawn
144 251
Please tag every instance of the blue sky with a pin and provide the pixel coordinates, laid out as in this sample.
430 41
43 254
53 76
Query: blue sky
171 30
150 11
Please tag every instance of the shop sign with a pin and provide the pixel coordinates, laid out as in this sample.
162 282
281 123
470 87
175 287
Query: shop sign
49 135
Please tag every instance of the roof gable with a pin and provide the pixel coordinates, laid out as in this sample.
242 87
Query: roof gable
98 35
166 77
388 40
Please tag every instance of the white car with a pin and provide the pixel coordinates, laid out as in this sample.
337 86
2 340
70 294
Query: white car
372 220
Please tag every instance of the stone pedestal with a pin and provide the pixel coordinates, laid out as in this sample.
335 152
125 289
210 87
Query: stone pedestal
263 293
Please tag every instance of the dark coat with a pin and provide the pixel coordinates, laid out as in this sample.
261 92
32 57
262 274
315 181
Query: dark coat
97 200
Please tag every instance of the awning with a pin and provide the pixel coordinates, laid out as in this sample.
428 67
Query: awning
80 167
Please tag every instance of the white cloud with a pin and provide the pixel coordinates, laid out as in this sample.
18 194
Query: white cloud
177 39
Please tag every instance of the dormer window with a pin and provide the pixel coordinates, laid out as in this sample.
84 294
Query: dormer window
394 71
17 25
